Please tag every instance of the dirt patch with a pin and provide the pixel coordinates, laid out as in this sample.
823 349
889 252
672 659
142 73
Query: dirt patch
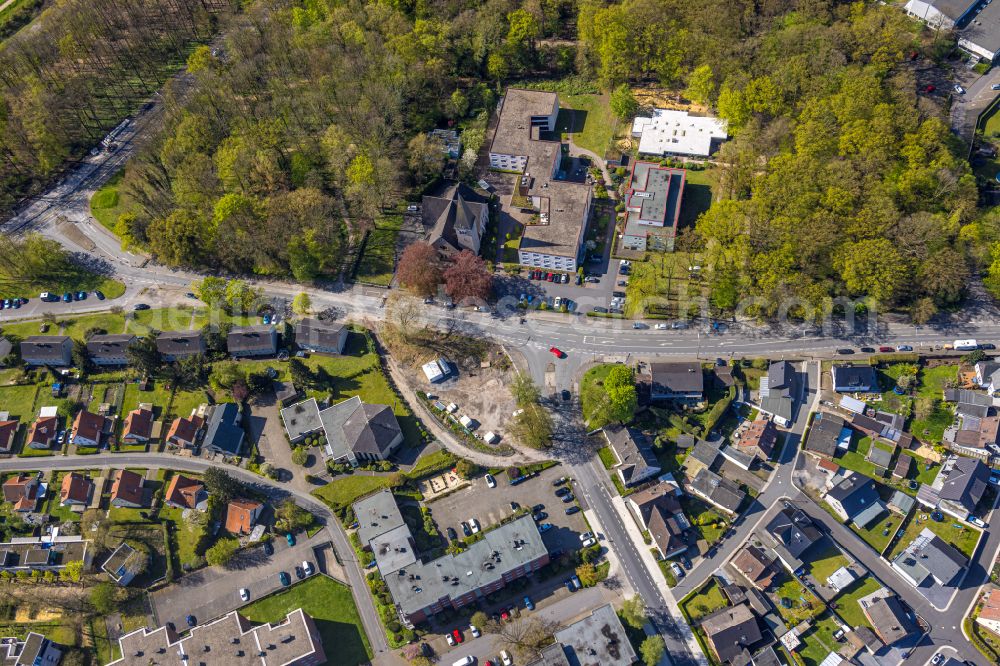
663 98
44 615
441 485
481 395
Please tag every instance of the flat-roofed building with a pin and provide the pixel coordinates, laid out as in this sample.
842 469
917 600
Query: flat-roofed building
672 132
652 207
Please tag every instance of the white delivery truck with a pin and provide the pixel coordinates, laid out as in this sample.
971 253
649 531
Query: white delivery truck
965 345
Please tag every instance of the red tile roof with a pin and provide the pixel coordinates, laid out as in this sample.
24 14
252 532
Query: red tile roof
127 487
138 423
14 487
43 431
88 426
75 487
183 491
185 429
829 465
991 607
7 431
240 515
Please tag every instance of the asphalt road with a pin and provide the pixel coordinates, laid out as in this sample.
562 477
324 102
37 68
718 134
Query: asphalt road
274 491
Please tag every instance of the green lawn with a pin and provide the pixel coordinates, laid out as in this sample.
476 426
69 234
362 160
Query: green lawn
932 380
53 508
878 533
75 326
185 402
698 195
591 393
435 462
19 401
161 319
331 607
825 558
204 316
188 535
589 121
931 415
854 459
106 205
804 603
818 642
705 601
923 474
705 519
378 257
342 491
848 607
955 532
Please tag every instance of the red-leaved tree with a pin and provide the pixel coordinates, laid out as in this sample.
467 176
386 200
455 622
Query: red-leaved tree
420 269
467 278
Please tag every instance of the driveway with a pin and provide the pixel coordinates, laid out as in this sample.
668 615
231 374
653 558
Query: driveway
965 109
272 445
214 591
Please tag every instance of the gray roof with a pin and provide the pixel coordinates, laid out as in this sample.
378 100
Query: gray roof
721 492
984 30
794 531
868 514
301 419
507 548
634 452
598 638
705 452
312 332
953 9
354 427
824 433
44 347
180 342
513 135
902 502
879 456
377 514
781 377
778 405
855 493
930 555
458 207
890 619
854 378
966 483
5 348
679 377
109 346
766 657
252 339
224 431
731 630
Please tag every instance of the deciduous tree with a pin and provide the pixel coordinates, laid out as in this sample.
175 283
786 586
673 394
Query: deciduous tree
467 278
419 269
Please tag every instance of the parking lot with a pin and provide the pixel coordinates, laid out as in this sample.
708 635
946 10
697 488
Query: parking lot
214 591
490 505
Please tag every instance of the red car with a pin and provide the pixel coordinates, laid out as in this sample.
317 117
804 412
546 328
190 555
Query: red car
550 277
504 614
555 351
457 635
929 89
886 350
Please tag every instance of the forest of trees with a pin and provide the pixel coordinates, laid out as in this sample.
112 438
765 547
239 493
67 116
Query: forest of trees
82 67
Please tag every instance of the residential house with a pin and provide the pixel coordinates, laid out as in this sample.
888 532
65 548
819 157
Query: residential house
652 207
879 456
901 503
184 431
51 552
756 567
54 350
138 427
320 336
558 208
110 350
854 379
962 486
124 563
658 512
777 392
759 439
903 467
23 491
973 403
598 638
224 431
827 433
175 345
88 428
855 498
42 433
989 615
840 579
976 23
717 491
128 490
291 641
34 650
75 490
678 381
249 341
980 35
457 219
730 631
793 532
186 493
723 375
671 132
355 431
8 432
704 453
941 14
930 559
242 515
889 619
286 393
634 457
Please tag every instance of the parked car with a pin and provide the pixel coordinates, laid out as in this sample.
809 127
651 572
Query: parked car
589 542
452 534
930 88
541 515
290 538
244 594
307 567
845 351
268 548
987 346
660 327
537 508
600 309
568 498
81 295
544 527
474 525
555 351
959 90
904 348
191 620
867 350
67 297
466 530
565 278
457 635
490 481
99 295
284 578
995 86
886 350
514 506
450 639
529 604
561 480
140 306
571 510
474 630
299 573
562 491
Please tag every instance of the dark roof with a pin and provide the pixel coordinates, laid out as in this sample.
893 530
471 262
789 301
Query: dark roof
731 630
720 491
44 347
5 348
929 555
180 342
251 339
681 377
457 208
113 346
855 493
854 378
224 431
824 433
794 530
903 465
634 452
371 429
890 619
966 482
318 333
705 452
781 377
685 441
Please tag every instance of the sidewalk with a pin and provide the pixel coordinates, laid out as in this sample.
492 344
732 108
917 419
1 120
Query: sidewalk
654 570
616 565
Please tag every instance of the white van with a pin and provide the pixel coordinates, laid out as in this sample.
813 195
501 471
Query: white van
965 345
465 661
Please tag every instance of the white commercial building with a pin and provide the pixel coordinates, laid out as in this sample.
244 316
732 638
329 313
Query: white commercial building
671 132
